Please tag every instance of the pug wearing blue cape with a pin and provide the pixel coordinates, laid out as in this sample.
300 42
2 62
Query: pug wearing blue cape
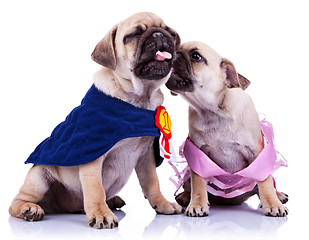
90 156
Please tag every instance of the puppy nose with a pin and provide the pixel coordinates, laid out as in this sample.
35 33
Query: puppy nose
157 35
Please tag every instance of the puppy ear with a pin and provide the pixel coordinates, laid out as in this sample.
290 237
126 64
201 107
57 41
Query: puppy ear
244 82
175 35
233 79
177 44
104 53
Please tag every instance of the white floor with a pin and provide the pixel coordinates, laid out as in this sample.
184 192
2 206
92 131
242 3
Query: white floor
137 220
243 221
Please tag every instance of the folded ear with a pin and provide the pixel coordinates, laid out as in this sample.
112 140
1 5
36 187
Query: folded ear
177 39
175 35
233 79
243 81
104 53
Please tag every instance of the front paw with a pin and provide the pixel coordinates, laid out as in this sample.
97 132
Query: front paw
32 212
274 209
183 199
102 219
283 197
166 207
198 209
115 202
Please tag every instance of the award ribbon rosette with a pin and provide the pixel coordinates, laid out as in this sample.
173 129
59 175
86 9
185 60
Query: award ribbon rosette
163 122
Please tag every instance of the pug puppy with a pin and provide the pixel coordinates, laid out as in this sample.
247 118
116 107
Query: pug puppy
136 57
223 124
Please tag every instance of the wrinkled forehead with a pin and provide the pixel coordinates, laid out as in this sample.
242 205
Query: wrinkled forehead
144 20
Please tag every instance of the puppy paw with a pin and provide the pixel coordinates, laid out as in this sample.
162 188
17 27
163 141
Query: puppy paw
198 209
166 207
284 198
105 219
183 199
31 212
275 209
115 202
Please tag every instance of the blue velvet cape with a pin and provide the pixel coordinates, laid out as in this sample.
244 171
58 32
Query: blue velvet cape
93 128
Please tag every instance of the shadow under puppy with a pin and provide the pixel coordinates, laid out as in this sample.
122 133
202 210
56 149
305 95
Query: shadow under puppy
226 139
89 157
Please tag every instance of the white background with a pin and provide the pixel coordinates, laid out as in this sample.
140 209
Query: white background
45 70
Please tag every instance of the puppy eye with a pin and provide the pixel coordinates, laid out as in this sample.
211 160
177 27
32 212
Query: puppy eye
134 35
195 56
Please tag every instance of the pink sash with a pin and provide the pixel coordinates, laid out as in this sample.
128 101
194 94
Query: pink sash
222 183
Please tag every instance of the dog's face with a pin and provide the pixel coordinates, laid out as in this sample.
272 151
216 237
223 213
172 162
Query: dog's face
140 47
200 74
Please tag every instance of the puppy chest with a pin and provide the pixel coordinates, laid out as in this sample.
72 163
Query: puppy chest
227 148
128 150
123 157
120 162
231 157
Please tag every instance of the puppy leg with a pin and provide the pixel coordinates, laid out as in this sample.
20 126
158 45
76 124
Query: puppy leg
32 191
148 179
271 205
199 205
97 212
183 199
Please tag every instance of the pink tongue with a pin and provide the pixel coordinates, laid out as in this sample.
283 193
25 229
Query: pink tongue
161 56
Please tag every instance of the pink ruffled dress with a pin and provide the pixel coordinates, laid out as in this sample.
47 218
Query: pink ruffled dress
222 183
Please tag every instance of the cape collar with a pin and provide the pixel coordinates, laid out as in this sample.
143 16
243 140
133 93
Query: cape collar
92 128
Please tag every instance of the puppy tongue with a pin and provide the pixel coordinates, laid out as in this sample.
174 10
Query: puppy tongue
161 56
